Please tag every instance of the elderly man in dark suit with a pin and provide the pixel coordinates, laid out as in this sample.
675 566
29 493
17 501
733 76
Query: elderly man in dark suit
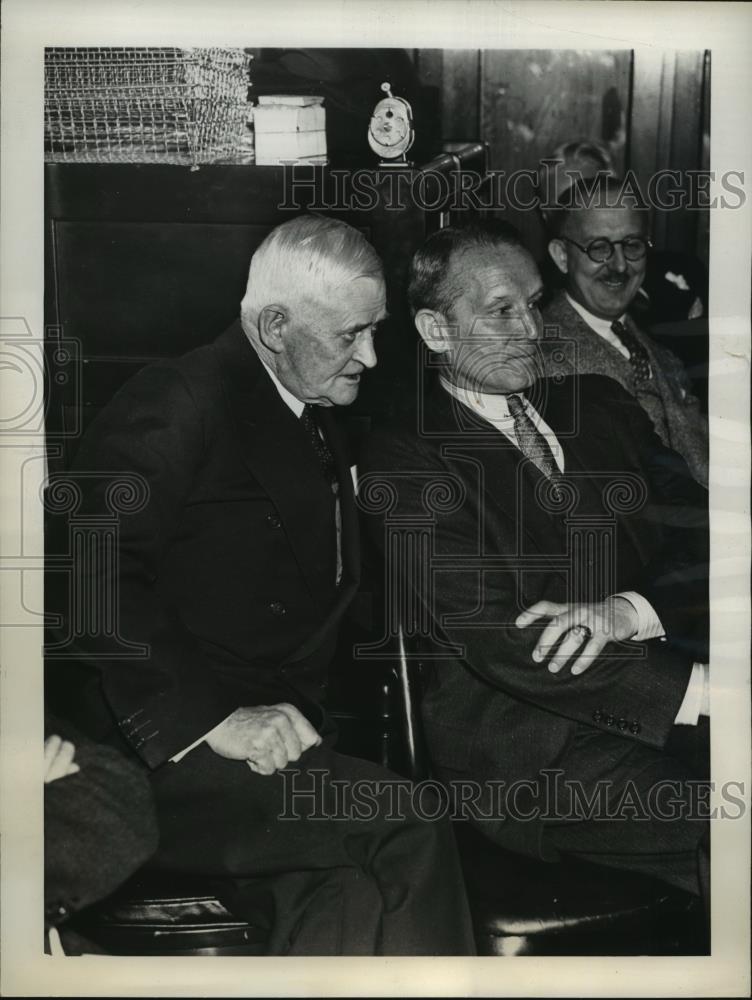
559 555
232 572
599 243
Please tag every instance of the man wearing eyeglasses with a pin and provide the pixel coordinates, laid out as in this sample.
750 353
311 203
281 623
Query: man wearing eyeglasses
599 243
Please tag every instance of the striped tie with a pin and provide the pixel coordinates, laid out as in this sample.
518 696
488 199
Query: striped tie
532 443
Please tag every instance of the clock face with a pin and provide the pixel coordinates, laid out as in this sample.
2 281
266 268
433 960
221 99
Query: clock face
389 132
388 127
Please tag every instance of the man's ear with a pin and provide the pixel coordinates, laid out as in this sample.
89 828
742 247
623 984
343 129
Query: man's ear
434 330
271 324
558 254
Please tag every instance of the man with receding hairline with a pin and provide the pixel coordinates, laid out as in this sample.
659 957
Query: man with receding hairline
558 590
599 243
234 576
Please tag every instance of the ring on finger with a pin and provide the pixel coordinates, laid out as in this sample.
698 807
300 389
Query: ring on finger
582 631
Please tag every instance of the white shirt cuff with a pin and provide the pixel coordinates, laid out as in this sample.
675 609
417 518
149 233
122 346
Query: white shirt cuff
182 753
648 623
696 698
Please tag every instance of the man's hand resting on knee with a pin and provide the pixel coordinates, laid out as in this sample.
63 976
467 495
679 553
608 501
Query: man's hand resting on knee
267 737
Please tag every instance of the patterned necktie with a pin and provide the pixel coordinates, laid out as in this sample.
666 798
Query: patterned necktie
638 356
532 443
309 420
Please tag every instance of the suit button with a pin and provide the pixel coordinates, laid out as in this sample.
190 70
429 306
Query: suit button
278 608
273 521
635 728
622 724
597 715
610 720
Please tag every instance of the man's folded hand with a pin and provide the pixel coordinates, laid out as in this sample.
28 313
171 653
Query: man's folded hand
267 737
579 631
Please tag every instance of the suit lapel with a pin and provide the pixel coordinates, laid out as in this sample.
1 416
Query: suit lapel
596 457
593 353
277 453
508 481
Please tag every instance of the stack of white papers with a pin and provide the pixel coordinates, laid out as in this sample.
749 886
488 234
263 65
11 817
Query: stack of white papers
290 129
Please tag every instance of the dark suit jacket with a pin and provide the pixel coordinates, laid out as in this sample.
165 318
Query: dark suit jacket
99 826
490 712
226 571
667 397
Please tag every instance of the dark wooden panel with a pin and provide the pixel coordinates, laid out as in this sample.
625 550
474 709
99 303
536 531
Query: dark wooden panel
668 117
460 117
131 191
686 141
150 289
650 124
533 100
703 221
455 75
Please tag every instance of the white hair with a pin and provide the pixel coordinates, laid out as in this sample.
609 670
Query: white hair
303 258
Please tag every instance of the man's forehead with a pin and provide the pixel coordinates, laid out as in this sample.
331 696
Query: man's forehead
355 302
483 268
359 289
608 221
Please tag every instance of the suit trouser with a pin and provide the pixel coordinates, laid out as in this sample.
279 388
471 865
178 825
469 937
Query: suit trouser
660 824
322 880
617 803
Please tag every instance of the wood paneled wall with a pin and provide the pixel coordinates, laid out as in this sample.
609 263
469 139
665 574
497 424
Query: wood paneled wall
651 108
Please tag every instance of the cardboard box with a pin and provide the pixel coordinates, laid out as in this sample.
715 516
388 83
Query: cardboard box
278 147
282 118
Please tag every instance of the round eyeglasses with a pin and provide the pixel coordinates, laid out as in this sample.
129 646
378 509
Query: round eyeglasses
602 249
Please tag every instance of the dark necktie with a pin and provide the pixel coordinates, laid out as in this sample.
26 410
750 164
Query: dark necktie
532 443
309 420
638 356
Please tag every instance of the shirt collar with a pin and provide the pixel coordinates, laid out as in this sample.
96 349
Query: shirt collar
296 405
491 406
601 326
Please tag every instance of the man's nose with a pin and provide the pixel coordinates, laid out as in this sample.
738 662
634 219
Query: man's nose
618 261
365 352
531 325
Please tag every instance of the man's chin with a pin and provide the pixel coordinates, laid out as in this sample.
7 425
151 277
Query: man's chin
617 298
345 395
611 305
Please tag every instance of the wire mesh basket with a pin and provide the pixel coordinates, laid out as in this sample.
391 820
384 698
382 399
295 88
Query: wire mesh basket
149 105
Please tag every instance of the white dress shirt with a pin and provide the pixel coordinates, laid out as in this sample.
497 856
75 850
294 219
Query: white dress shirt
494 409
600 326
295 404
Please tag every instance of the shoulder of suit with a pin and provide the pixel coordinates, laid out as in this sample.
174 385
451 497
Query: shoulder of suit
591 387
556 306
669 362
560 313
395 442
196 374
